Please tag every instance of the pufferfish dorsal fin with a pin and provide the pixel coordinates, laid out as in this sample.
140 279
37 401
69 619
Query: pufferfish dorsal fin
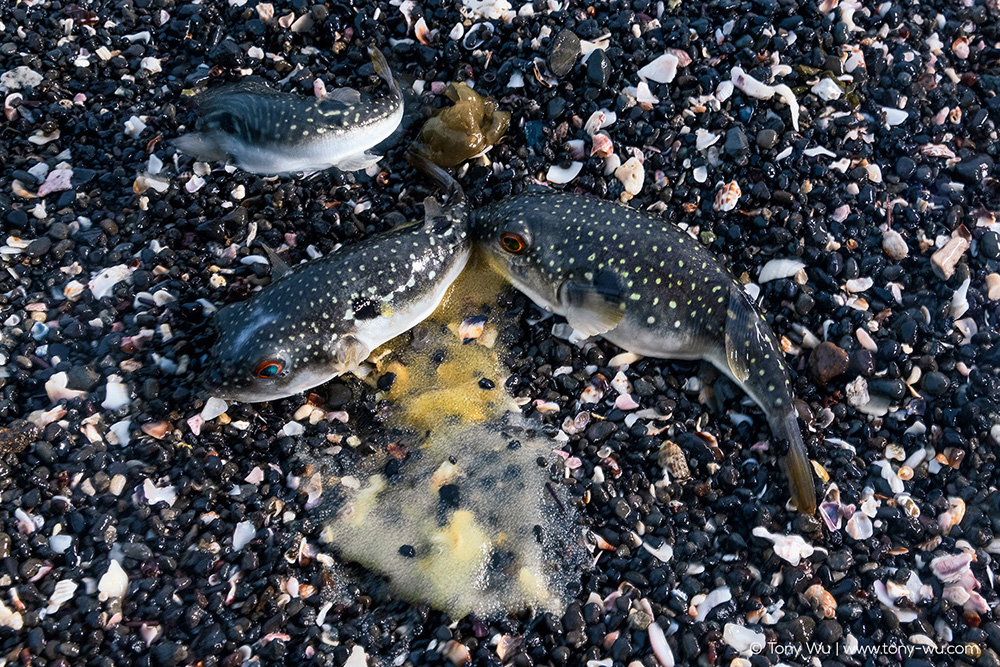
595 305
743 336
278 266
346 96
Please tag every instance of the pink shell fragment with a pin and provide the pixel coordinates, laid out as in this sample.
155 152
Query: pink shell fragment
625 402
57 181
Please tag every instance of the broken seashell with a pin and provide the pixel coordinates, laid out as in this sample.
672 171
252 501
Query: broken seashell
631 174
560 175
661 70
821 601
726 198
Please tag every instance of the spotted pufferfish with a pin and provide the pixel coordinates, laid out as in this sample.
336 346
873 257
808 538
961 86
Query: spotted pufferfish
268 132
649 288
323 318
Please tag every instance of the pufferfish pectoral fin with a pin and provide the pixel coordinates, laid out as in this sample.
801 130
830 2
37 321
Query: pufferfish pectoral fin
594 307
201 146
358 161
743 338
349 354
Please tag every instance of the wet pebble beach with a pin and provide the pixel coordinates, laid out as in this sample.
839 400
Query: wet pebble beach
837 156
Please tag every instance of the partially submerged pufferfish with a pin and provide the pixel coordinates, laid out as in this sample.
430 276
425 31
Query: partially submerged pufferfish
323 318
649 288
264 131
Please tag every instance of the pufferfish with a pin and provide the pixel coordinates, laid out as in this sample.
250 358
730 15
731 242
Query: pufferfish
323 318
268 132
649 288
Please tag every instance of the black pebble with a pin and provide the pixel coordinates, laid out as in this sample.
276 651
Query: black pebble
736 142
936 383
598 68
975 169
449 495
990 245
407 551
905 167
767 138
386 381
39 246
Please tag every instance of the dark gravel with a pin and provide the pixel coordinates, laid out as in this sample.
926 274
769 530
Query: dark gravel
75 498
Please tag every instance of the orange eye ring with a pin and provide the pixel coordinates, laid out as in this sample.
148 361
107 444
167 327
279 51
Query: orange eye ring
269 368
513 243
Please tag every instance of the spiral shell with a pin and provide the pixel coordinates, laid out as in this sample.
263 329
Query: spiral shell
673 460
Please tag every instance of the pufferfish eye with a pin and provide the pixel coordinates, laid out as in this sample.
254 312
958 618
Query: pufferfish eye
513 243
269 368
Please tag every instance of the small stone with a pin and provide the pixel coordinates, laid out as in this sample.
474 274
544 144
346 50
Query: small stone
20 78
989 245
598 68
39 247
565 50
828 361
975 169
829 631
767 138
166 654
386 381
905 167
736 142
936 383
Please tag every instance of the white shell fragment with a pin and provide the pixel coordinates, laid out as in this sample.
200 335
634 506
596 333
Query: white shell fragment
762 91
860 527
134 126
213 408
358 658
57 181
104 281
661 649
151 64
56 389
63 592
662 69
826 89
792 548
743 639
155 494
116 394
242 535
959 300
642 94
718 596
560 175
779 268
10 619
894 245
114 583
631 174
487 9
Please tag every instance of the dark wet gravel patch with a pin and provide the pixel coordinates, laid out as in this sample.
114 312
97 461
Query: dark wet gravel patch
193 598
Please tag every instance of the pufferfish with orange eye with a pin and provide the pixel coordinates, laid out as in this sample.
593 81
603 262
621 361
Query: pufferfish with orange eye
323 318
649 288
